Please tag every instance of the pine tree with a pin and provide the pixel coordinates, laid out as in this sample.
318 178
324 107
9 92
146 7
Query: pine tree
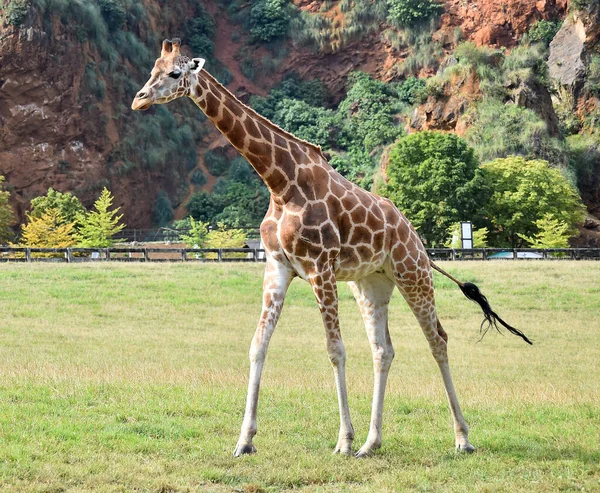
552 233
100 225
6 214
48 231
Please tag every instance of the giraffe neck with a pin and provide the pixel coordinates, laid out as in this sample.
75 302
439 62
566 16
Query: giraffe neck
272 152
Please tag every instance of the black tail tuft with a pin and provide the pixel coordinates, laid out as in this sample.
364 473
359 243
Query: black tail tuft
472 292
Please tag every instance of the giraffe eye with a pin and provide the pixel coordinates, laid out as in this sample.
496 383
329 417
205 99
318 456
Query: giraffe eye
175 74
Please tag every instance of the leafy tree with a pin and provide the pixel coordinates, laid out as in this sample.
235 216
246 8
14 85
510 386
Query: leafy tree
269 19
304 121
407 13
434 178
49 230
99 226
216 162
523 193
69 206
6 214
198 177
552 233
368 114
196 237
204 207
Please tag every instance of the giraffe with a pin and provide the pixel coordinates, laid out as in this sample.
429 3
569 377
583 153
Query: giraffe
323 229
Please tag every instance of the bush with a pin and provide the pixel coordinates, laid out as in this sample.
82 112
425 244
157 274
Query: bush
592 76
198 177
584 152
6 214
543 31
16 11
269 19
499 130
523 192
435 180
163 210
412 90
367 114
305 121
406 13
114 14
216 162
200 31
91 82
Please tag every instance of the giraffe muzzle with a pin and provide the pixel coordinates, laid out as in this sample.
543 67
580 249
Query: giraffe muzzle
141 102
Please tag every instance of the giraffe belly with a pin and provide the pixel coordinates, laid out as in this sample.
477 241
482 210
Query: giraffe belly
354 263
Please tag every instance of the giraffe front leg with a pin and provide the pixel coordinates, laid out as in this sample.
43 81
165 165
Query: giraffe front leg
325 290
275 285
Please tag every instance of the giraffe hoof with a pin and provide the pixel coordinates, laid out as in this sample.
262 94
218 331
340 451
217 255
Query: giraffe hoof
244 449
344 449
366 451
466 448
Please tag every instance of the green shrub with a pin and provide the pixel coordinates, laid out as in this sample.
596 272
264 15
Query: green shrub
16 11
499 130
269 19
584 154
592 76
248 68
114 14
304 121
199 33
6 214
198 177
163 210
405 13
216 162
543 31
367 114
412 90
92 83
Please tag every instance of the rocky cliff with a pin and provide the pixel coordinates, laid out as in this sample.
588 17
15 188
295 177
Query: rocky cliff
64 93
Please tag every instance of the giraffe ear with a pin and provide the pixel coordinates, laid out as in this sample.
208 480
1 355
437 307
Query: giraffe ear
196 65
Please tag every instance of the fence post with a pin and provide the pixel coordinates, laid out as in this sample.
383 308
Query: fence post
183 255
107 253
220 255
146 256
484 254
69 255
514 252
28 255
255 255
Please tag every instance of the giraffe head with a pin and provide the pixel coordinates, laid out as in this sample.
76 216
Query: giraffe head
170 78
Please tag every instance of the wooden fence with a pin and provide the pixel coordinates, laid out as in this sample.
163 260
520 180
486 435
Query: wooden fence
121 254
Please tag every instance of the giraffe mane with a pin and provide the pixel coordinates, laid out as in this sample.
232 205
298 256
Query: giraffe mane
266 121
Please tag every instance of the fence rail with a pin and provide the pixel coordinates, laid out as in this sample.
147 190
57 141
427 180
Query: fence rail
122 254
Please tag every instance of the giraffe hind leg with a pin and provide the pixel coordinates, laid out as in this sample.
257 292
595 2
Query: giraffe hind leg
415 282
373 295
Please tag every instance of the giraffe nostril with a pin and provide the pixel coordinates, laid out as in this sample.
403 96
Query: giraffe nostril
142 95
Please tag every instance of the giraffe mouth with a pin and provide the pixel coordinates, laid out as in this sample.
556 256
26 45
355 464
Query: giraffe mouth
141 104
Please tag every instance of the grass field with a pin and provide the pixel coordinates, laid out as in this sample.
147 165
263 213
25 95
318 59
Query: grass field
118 377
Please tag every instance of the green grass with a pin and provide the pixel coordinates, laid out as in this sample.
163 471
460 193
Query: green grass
118 377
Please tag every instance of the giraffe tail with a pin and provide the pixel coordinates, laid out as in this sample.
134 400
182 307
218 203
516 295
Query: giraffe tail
491 318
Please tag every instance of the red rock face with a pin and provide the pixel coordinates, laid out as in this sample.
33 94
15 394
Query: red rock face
52 136
499 22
